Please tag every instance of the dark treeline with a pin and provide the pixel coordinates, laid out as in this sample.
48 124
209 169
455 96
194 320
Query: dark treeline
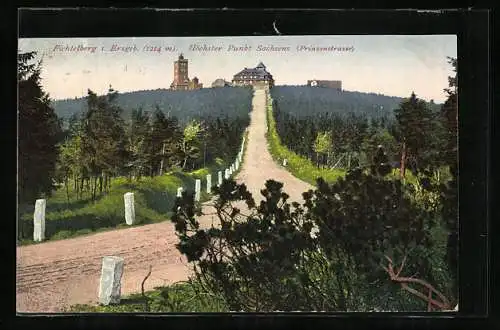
100 144
340 129
335 140
304 101
184 105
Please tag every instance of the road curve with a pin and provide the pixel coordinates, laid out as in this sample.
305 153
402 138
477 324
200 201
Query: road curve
54 275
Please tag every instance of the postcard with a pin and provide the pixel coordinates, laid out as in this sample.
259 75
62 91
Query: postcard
228 174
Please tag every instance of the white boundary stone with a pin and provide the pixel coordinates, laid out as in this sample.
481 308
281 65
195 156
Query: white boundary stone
179 191
129 208
39 220
219 177
110 283
197 190
209 183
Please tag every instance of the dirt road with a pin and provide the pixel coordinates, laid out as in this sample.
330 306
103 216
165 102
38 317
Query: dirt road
54 275
258 165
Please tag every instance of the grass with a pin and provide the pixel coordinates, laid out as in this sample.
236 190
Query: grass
154 198
179 297
299 166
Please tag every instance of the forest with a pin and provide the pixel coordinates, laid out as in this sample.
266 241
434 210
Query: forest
339 129
85 156
184 105
305 101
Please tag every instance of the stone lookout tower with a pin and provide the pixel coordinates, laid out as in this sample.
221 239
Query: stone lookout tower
181 78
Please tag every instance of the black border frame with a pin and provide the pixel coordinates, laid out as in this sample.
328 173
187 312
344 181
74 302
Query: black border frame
472 28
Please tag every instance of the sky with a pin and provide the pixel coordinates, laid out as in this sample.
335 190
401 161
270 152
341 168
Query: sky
394 65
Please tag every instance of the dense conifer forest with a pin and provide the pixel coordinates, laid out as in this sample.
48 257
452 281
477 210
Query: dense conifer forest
340 129
184 105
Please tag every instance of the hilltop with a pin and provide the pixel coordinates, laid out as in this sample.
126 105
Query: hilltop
229 101
306 101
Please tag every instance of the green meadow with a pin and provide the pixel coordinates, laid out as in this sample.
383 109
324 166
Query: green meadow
154 199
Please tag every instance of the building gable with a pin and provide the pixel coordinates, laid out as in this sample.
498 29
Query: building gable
253 75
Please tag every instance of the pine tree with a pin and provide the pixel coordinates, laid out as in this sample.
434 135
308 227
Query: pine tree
39 133
139 143
70 161
449 117
191 142
449 191
165 135
378 136
323 146
103 139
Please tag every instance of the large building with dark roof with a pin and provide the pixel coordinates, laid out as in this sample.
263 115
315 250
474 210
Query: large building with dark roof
253 76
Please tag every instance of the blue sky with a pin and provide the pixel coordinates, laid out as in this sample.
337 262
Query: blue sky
391 65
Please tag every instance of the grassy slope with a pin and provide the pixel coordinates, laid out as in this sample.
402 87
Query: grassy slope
154 199
299 166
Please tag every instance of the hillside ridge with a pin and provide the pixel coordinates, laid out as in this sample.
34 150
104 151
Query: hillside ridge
210 101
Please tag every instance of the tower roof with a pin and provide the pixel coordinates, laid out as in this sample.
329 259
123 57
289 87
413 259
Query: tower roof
260 66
